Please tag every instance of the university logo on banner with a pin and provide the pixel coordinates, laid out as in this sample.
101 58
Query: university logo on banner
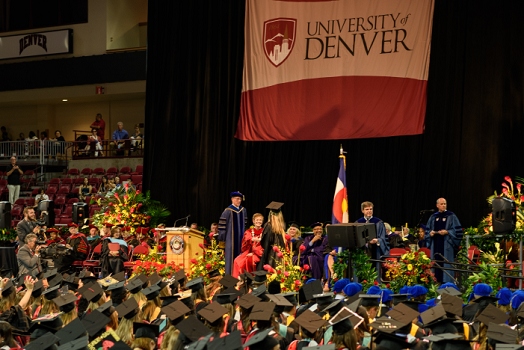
279 39
331 69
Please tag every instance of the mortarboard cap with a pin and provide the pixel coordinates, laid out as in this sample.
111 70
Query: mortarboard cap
412 304
121 276
151 292
134 286
279 300
192 328
169 299
37 289
228 281
236 194
261 340
387 325
154 279
403 314
262 311
8 289
71 331
94 322
341 322
306 292
449 290
247 301
47 323
213 273
65 302
452 304
433 314
213 312
145 330
50 273
260 291
227 298
369 299
180 275
46 341
107 281
76 344
115 287
199 344
291 297
492 314
316 224
442 337
51 292
71 281
175 310
127 309
195 284
72 224
502 333
310 321
260 276
55 281
275 206
92 292
233 341
106 308
399 298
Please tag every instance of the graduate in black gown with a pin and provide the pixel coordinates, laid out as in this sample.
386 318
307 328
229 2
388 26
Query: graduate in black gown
273 236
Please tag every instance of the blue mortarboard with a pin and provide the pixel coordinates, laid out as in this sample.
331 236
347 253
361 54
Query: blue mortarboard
310 280
423 226
404 290
387 295
480 290
504 296
449 285
418 290
352 289
374 290
340 284
236 194
517 299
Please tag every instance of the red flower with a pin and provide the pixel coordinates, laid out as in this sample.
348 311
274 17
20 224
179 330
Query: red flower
211 235
306 267
286 273
282 280
275 249
518 187
388 285
201 245
364 282
505 190
194 261
280 255
116 194
302 248
267 267
375 283
297 283
507 178
208 266
288 237
138 192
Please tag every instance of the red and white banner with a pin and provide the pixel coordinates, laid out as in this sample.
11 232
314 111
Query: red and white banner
332 69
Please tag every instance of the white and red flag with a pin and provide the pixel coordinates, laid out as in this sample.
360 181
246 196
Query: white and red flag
334 69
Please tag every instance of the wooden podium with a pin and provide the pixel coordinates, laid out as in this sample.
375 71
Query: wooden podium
181 245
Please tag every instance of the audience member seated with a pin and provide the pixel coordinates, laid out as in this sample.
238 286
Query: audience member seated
94 238
84 190
53 237
78 246
114 253
41 197
119 139
59 146
94 144
314 251
136 139
102 190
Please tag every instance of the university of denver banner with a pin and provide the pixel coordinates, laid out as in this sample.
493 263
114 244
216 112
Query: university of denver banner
334 69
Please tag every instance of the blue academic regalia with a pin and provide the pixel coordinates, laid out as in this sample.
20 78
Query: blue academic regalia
447 245
314 255
383 247
231 228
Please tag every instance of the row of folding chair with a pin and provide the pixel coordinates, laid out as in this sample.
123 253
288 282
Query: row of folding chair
99 172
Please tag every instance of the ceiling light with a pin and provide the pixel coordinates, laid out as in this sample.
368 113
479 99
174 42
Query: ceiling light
64 100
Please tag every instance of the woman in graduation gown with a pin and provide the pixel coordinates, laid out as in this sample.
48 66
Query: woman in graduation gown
112 261
251 248
273 236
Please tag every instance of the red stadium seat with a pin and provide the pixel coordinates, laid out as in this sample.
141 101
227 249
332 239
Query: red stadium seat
139 170
86 172
73 172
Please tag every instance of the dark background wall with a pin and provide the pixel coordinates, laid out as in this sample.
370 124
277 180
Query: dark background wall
472 137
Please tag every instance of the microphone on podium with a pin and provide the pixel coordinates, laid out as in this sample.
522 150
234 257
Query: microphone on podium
185 217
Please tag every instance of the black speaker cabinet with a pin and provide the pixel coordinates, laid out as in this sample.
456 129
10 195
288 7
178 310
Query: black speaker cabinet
80 212
5 215
49 207
503 214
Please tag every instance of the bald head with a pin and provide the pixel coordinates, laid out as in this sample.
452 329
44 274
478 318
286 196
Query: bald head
442 205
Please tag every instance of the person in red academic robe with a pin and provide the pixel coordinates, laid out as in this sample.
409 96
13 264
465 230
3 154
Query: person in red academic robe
251 248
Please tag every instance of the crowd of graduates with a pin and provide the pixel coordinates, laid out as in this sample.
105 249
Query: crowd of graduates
79 311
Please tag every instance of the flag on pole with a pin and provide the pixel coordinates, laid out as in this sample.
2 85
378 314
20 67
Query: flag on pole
340 199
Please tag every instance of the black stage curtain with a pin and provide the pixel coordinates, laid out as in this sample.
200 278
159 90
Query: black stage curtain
472 137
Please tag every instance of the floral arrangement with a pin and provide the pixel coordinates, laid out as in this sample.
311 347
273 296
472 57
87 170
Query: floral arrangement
130 207
291 276
365 270
8 234
154 262
212 258
412 268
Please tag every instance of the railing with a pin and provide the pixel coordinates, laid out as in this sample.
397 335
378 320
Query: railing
45 152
